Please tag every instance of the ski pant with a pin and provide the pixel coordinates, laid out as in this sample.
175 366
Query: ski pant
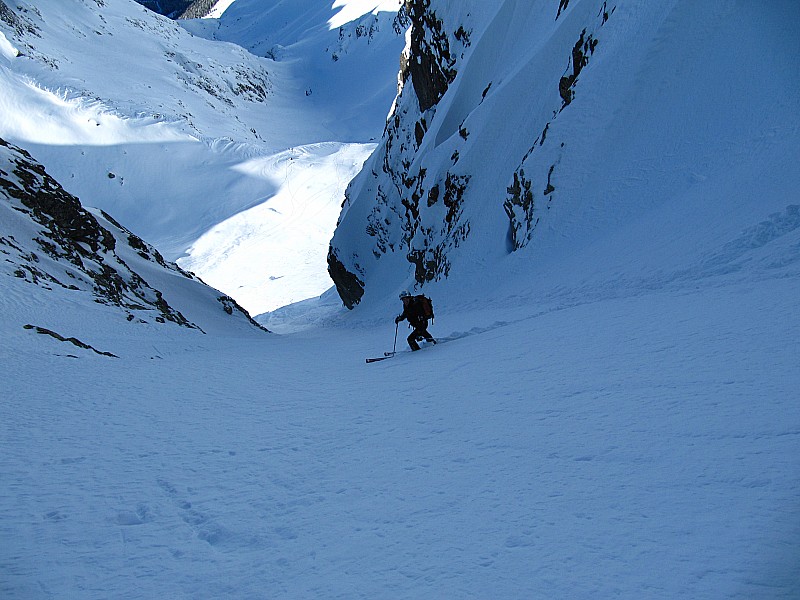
420 332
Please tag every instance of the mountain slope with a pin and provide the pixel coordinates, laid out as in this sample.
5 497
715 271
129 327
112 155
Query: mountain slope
50 243
558 131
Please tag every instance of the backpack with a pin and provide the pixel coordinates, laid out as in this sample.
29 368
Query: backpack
424 305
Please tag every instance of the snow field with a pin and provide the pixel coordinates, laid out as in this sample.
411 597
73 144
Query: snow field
641 446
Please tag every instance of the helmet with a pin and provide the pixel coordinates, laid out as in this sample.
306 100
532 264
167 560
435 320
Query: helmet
405 294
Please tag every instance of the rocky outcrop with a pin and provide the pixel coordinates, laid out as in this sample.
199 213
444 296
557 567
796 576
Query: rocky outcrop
433 67
8 17
521 204
50 205
348 285
426 192
72 340
18 23
197 9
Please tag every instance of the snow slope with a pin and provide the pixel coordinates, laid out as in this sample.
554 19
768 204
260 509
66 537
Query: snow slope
612 410
288 232
642 445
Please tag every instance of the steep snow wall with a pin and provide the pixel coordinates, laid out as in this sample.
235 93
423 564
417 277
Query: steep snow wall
526 131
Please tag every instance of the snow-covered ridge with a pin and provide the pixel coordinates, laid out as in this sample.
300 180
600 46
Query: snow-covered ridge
172 75
50 241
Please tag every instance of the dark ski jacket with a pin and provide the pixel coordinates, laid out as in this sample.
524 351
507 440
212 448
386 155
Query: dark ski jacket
413 312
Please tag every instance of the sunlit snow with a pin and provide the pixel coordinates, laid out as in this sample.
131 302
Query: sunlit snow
219 9
350 10
274 254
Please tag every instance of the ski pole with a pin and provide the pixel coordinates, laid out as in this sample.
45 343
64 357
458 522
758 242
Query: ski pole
394 346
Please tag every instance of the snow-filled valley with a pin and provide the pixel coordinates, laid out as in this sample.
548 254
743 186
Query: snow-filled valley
612 409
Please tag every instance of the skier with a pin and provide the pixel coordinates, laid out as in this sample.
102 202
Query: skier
414 311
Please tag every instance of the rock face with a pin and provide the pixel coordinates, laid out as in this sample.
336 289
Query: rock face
50 205
349 287
520 204
49 240
17 23
401 192
432 68
6 15
197 9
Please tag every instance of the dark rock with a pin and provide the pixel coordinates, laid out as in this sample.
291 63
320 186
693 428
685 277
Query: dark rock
52 205
70 234
71 340
230 306
348 285
562 5
519 207
432 67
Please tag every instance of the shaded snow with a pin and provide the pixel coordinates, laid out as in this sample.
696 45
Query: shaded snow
638 446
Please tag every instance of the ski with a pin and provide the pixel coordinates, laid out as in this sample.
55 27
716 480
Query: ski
426 345
372 360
